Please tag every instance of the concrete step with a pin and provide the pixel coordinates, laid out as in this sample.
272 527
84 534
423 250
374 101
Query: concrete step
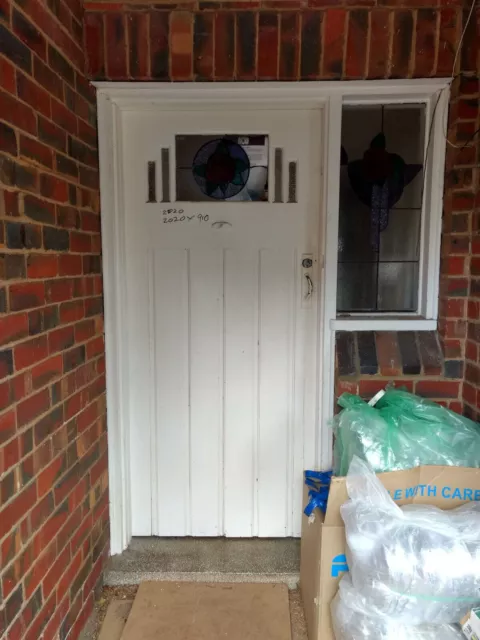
207 560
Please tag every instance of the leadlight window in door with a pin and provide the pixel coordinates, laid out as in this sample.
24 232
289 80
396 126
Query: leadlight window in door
221 168
381 185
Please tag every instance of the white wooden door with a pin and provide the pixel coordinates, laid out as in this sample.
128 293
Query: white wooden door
222 325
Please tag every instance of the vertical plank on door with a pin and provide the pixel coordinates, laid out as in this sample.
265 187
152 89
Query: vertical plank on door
241 349
171 392
140 394
275 389
206 391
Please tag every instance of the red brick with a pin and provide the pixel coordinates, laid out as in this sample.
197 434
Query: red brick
27 295
456 406
47 478
33 94
39 570
61 611
80 242
53 187
94 39
426 36
10 199
452 348
17 113
87 417
30 352
13 327
116 50
346 386
47 371
334 37
367 388
437 388
95 347
224 45
356 55
10 454
402 44
455 266
7 76
15 510
288 68
41 265
471 351
84 330
455 329
45 614
33 407
82 618
137 45
36 151
468 109
70 265
268 46
6 397
463 200
43 21
64 117
474 309
71 311
379 43
61 339
91 222
7 425
55 572
455 308
203 40
87 134
181 45
59 289
469 393
388 354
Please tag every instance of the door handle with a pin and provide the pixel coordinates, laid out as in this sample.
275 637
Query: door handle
309 286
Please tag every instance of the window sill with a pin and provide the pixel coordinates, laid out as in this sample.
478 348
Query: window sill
391 323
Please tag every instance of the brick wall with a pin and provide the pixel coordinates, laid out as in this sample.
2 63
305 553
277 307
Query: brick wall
272 39
368 361
53 460
460 283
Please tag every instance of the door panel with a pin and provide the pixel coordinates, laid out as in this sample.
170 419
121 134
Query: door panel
277 284
222 332
206 390
170 381
241 395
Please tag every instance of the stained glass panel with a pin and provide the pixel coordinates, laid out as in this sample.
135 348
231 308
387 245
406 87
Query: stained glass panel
222 168
381 184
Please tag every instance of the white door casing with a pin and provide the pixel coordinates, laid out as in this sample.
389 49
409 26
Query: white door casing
221 332
114 99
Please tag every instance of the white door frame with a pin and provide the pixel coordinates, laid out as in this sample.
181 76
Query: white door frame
115 97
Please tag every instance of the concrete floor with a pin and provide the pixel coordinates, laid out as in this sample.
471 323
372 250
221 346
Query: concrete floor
204 560
207 560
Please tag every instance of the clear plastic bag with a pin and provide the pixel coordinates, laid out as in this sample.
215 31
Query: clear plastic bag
402 431
416 564
354 618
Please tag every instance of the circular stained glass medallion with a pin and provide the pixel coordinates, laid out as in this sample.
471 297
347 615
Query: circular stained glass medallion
221 169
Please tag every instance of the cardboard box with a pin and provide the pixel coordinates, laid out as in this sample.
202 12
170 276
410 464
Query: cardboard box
471 625
323 560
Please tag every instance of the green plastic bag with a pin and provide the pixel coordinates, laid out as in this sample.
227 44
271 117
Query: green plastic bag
402 431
